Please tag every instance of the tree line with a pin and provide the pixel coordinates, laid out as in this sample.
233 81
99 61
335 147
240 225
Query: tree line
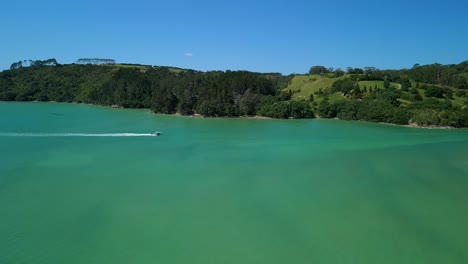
216 93
33 63
95 61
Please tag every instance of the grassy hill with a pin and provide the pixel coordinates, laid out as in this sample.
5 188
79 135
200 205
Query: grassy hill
302 86
305 85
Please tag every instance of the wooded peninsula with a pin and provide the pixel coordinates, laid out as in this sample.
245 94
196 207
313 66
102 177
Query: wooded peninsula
425 95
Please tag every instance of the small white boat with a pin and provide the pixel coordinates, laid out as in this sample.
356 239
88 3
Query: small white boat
157 133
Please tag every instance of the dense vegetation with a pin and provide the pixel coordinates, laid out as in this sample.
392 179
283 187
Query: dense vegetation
431 95
162 89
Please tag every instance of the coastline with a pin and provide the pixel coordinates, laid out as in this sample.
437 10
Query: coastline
256 117
233 117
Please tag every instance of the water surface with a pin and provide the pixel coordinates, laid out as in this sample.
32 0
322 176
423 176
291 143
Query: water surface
226 190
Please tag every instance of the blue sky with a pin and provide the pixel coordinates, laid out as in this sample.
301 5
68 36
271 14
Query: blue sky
265 36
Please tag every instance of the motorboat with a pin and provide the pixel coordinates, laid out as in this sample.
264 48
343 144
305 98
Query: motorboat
157 133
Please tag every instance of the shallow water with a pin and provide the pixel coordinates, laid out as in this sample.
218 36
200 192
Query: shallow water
226 190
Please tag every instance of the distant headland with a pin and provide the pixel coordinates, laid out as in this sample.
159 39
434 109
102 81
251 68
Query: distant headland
425 95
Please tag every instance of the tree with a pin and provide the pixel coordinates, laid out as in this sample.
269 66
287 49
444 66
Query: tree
300 109
327 110
448 93
434 91
386 83
318 70
352 70
461 83
16 65
207 108
426 117
35 63
285 95
370 70
405 84
339 72
345 86
417 97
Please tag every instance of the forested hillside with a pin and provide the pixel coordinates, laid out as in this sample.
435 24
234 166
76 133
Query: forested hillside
430 95
162 89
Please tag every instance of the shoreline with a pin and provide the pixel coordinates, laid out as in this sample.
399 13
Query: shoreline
256 117
227 117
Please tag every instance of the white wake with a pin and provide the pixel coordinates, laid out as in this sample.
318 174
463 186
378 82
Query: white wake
74 135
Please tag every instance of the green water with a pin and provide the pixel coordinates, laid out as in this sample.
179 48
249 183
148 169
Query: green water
227 190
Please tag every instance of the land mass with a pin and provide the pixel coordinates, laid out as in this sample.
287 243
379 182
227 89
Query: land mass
428 95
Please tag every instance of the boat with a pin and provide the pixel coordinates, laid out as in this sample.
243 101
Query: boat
157 133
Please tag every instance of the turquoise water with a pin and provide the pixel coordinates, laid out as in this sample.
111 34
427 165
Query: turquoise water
226 190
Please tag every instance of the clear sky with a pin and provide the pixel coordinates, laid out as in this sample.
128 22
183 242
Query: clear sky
265 36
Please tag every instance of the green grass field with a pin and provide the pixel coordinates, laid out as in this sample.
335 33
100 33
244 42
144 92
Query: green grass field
333 98
175 70
308 84
305 85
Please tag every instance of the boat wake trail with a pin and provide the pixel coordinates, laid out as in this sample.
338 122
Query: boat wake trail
74 135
